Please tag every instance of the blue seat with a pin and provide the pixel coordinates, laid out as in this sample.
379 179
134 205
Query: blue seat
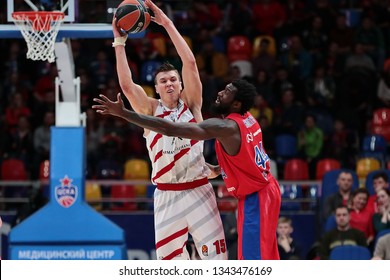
350 252
291 195
374 143
381 234
286 146
370 179
148 70
150 194
330 223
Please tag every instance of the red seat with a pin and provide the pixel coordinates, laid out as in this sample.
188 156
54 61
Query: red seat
225 201
296 169
13 170
239 48
381 117
123 193
383 130
326 165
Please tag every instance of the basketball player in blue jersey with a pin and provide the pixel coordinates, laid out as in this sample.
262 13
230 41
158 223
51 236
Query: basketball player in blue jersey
184 200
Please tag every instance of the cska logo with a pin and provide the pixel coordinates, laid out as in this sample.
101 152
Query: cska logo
66 193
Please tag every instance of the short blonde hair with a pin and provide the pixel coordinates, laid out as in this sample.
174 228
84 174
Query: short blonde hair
285 220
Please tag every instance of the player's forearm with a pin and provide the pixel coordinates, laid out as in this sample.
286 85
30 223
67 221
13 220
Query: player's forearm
180 44
122 67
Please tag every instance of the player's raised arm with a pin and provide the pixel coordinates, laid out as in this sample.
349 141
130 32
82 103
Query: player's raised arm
192 93
137 97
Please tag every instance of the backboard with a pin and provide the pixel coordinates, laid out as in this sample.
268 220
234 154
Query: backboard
68 7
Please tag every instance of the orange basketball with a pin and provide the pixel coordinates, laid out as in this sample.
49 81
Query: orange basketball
132 16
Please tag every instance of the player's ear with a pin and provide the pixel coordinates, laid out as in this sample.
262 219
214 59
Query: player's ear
236 105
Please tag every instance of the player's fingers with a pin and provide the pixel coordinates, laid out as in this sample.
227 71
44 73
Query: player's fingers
99 107
105 98
97 100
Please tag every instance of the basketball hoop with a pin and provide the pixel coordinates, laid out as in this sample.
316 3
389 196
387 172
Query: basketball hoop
40 30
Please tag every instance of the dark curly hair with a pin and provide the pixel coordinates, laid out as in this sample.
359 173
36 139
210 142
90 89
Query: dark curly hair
165 67
246 93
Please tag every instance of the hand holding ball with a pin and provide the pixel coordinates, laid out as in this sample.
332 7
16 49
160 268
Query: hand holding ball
132 16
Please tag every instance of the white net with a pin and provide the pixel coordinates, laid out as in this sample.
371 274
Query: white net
40 30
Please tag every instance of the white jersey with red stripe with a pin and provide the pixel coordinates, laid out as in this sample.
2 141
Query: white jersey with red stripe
174 159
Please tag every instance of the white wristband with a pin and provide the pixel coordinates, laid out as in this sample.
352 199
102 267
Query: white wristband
119 41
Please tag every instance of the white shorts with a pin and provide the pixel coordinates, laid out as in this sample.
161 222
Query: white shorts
194 211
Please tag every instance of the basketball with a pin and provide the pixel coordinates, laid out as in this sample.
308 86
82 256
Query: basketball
132 16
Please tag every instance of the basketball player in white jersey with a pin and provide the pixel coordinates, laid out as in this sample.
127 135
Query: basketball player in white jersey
184 200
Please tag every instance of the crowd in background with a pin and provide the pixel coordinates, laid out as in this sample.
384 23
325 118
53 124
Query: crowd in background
321 73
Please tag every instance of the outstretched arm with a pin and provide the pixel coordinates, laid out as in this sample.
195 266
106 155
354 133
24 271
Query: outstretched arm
208 129
192 93
137 97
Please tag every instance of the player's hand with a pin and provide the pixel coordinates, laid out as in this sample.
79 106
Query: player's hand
116 30
159 16
108 107
215 170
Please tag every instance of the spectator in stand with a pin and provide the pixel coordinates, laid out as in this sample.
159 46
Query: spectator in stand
326 11
263 87
361 218
289 114
371 39
315 40
342 235
206 14
297 59
383 92
42 142
321 88
382 248
45 83
264 61
310 143
268 15
335 62
18 143
261 108
296 15
214 63
15 110
343 144
101 69
238 19
341 197
381 220
288 248
94 133
380 181
359 58
342 35
282 81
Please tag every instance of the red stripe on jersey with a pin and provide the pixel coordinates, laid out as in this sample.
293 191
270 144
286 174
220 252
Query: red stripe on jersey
171 237
158 155
175 253
175 158
166 113
182 111
155 139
